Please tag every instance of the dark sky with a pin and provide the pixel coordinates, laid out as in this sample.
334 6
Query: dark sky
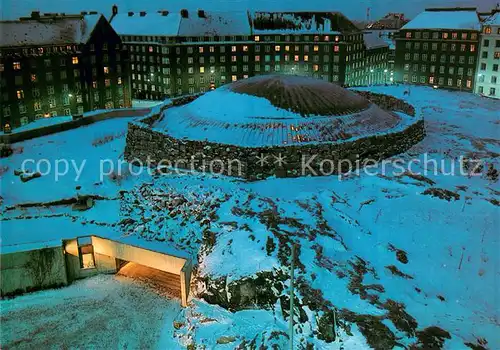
354 9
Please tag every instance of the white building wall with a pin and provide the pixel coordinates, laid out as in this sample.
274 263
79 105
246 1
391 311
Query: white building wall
488 70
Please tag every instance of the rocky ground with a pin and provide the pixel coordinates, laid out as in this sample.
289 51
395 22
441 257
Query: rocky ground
384 260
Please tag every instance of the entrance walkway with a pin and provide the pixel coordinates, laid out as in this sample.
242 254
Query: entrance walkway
161 281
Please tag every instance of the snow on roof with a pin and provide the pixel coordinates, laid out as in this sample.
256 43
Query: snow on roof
24 247
60 31
215 23
373 40
150 24
445 19
493 20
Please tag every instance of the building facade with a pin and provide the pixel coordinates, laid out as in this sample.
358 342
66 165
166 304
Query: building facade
439 48
377 52
176 53
56 65
488 73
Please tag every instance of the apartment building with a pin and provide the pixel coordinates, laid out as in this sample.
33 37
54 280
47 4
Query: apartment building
439 48
488 73
57 64
176 53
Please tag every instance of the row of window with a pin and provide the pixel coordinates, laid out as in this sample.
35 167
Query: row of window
442 58
444 46
484 66
433 69
486 43
451 82
482 78
256 38
440 35
489 30
492 91
496 55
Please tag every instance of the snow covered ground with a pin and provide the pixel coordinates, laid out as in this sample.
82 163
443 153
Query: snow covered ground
101 312
394 254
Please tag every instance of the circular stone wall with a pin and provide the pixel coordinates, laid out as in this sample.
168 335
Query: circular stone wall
202 133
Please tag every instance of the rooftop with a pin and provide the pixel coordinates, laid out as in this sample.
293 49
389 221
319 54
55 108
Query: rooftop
446 18
374 40
493 20
270 110
59 30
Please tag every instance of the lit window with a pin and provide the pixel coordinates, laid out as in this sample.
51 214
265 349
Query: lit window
287 48
33 77
327 38
20 94
202 69
150 49
316 48
257 58
472 48
106 70
315 68
296 58
336 48
75 60
487 30
245 48
234 78
233 48
107 82
408 35
119 80
277 48
257 38
94 84
86 256
306 58
337 38
200 49
16 65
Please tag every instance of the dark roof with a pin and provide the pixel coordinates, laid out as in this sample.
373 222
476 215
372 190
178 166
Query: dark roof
60 30
301 22
302 95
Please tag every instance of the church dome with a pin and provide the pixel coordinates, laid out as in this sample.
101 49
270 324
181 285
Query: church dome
276 110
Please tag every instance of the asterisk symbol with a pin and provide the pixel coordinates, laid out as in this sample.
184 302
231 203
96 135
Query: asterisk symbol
280 159
262 160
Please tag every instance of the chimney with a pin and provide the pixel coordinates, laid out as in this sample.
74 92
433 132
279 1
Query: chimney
130 14
164 13
142 13
114 10
93 13
83 13
201 13
35 15
184 13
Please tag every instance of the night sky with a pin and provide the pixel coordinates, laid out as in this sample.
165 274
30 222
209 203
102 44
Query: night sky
356 10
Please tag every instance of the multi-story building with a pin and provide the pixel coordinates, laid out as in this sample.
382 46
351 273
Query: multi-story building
376 60
57 64
439 48
488 72
175 53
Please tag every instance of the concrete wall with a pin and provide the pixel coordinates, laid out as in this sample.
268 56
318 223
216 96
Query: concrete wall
32 270
52 129
143 142
160 261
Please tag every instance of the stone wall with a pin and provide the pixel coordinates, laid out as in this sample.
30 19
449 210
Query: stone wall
389 103
149 147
